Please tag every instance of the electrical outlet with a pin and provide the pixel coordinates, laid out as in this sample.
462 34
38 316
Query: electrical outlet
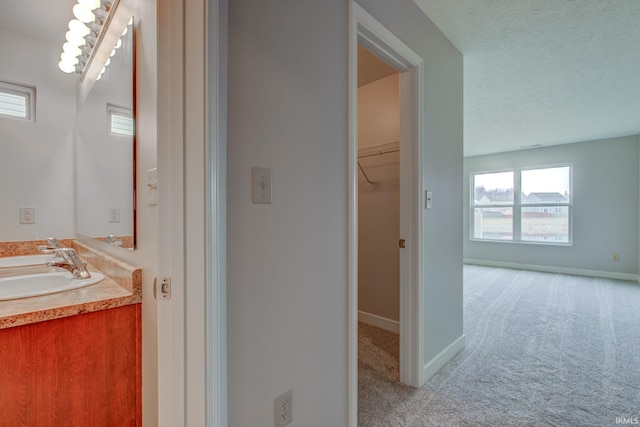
615 257
27 215
283 409
114 214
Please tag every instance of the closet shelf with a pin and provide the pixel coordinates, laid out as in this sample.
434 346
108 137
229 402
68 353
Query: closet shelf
377 151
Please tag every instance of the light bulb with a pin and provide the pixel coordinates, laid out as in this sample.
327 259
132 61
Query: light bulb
113 52
124 31
103 70
68 58
90 4
67 68
78 28
106 64
83 14
118 43
75 39
72 49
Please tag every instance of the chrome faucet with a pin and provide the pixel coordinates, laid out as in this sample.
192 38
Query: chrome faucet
112 239
68 259
52 245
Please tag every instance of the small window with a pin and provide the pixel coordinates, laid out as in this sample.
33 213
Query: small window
17 101
120 121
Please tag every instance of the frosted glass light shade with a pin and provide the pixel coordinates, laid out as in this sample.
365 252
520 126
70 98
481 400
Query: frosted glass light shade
78 28
67 68
90 4
75 39
72 49
68 58
83 14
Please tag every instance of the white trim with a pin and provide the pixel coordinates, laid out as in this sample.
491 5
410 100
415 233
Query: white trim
215 216
171 200
442 358
379 322
553 269
366 30
352 226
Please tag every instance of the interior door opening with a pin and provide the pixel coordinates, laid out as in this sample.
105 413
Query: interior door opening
378 213
365 31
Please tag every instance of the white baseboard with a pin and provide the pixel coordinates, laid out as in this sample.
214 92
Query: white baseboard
552 269
379 322
442 358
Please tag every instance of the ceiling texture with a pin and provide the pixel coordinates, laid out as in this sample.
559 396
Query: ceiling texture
544 72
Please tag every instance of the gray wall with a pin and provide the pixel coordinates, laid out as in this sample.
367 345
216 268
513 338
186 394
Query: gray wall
605 207
442 164
287 262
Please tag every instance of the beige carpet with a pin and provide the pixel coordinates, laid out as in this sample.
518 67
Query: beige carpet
541 350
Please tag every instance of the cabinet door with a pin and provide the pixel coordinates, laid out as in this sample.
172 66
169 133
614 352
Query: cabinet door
83 370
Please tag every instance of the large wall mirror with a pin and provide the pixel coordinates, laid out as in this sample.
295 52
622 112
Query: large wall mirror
105 146
71 162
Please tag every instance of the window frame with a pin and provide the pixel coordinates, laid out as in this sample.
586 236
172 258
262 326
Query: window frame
518 205
123 112
28 93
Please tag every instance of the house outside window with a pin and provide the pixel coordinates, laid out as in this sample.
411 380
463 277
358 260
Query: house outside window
522 205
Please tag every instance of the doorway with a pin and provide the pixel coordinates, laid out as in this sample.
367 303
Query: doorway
378 193
365 31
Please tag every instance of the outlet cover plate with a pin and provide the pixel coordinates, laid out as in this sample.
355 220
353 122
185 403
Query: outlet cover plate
283 409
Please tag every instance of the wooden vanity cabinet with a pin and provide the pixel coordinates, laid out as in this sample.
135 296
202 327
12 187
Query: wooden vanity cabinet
83 370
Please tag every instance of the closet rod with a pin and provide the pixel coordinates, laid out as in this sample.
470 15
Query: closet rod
379 153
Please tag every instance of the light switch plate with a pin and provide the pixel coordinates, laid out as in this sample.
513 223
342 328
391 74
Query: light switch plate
152 187
261 185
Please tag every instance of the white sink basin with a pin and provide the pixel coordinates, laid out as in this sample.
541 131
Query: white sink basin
31 285
19 261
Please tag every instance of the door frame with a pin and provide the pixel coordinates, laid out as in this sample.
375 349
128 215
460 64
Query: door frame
364 29
191 325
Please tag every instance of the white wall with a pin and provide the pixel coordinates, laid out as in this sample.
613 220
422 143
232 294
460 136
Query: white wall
442 164
37 159
287 262
605 207
379 112
379 204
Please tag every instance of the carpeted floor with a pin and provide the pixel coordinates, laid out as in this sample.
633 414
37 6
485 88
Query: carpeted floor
541 350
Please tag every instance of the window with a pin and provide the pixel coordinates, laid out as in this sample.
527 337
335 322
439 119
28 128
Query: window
522 205
120 121
17 101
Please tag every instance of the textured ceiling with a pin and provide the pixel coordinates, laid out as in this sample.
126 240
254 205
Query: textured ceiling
544 71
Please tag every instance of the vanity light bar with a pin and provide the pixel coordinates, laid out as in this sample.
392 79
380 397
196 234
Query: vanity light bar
84 32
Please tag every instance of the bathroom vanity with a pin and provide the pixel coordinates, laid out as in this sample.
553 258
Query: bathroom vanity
74 358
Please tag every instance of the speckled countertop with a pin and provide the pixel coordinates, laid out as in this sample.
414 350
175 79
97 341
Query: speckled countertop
121 286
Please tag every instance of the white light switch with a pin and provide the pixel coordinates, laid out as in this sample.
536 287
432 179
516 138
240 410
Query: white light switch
152 187
261 185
